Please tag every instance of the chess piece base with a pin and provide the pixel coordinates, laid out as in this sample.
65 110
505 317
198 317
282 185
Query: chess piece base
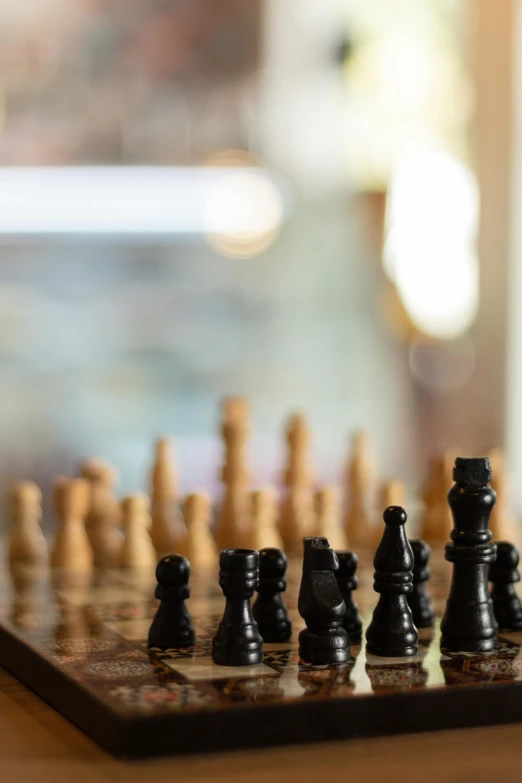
320 650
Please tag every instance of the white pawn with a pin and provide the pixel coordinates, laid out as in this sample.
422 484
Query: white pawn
72 550
329 517
103 519
199 545
26 542
263 532
137 550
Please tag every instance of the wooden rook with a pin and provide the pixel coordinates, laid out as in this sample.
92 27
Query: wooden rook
504 575
348 582
391 632
469 623
238 641
172 626
418 600
269 609
324 641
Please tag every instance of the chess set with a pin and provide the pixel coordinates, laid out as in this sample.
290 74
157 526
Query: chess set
246 647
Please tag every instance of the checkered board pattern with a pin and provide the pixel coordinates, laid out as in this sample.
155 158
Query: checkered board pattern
81 643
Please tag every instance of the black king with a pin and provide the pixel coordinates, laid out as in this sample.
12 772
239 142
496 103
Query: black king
469 624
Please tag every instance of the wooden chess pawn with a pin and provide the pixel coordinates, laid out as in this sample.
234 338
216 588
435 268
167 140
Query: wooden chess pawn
238 641
137 550
167 526
391 632
26 541
348 582
71 550
263 531
269 609
103 518
199 546
321 606
503 573
172 625
419 600
328 519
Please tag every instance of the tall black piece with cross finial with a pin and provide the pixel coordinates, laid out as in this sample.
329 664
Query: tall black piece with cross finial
391 632
469 624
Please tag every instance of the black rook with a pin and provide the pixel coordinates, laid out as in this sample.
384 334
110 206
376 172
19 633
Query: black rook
238 641
469 623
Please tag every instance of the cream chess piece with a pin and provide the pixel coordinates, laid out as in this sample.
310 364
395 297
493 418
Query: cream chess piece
328 516
26 541
103 519
137 550
167 523
199 545
71 550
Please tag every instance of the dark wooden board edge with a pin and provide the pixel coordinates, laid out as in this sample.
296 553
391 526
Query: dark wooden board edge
262 725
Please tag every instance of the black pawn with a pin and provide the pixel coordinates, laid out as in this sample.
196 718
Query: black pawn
238 641
321 605
391 632
469 624
269 609
419 600
504 575
172 627
348 582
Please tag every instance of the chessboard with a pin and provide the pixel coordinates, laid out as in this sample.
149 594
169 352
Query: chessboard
80 642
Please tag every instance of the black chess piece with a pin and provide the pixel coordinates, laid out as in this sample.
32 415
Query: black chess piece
469 624
269 609
348 582
504 575
321 605
391 632
172 626
238 641
418 600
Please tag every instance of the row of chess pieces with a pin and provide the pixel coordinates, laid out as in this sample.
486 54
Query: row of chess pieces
96 528
471 620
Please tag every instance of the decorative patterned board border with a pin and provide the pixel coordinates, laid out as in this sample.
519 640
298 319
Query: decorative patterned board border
82 647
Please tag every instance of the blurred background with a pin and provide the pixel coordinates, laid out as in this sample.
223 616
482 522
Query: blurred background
309 202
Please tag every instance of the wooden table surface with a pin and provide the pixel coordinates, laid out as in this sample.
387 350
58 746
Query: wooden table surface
37 744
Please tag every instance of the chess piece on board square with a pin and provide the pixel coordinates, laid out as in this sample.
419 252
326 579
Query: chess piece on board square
172 626
167 526
198 544
419 600
436 523
26 541
238 641
359 482
503 574
391 632
71 550
104 515
269 609
328 517
348 582
469 623
263 531
297 517
321 605
233 518
137 550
